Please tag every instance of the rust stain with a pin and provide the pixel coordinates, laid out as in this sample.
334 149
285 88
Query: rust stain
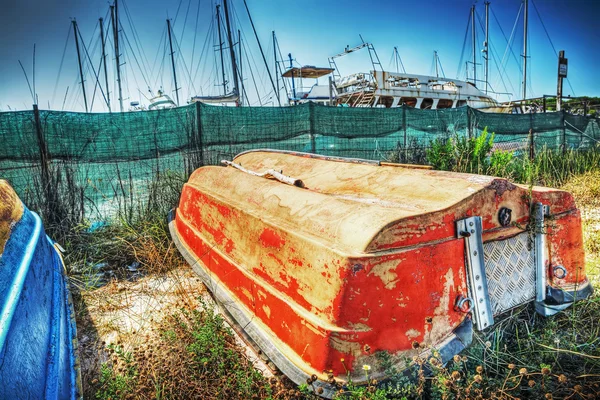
441 324
501 186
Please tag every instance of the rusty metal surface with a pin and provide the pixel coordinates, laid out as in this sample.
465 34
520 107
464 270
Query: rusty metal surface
11 211
364 258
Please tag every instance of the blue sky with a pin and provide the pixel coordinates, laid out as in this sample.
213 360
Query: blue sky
311 30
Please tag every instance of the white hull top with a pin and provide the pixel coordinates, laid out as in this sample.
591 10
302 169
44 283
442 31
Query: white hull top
393 89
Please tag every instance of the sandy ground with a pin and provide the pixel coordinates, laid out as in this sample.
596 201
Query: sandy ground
125 313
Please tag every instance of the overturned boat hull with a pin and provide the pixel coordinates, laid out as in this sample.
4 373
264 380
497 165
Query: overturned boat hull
325 262
38 342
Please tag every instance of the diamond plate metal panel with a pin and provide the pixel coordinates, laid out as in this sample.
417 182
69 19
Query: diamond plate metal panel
510 272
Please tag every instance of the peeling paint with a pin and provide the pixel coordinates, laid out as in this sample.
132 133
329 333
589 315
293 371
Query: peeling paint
356 260
412 333
267 310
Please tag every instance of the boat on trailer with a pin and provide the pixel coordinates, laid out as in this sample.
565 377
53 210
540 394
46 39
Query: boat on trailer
38 341
324 262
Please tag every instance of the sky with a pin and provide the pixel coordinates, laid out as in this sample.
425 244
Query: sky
311 30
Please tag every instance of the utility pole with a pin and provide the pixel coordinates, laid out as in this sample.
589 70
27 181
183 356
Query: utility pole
114 14
276 69
221 50
231 49
173 61
562 73
104 61
525 21
487 42
80 67
474 45
293 84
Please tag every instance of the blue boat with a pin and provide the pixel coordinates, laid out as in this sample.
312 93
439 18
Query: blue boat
38 341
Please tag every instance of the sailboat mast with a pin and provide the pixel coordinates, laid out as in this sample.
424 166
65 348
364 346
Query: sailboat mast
173 60
474 45
487 42
243 89
231 49
525 21
276 68
104 62
80 67
261 50
221 50
114 15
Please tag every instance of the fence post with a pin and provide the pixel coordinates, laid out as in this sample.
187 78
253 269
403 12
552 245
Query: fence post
311 127
531 145
405 133
44 164
198 145
564 129
469 125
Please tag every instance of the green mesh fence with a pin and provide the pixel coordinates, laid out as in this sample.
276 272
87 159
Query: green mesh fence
98 166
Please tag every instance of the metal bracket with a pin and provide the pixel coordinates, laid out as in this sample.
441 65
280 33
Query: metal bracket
471 230
541 278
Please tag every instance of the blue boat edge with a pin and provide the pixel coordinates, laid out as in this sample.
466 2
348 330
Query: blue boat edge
38 333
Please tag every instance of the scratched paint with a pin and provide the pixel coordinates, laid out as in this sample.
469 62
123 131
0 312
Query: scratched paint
363 259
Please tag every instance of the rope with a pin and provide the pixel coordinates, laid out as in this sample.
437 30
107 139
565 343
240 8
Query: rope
550 40
493 50
61 64
583 133
137 41
136 60
508 44
462 52
93 70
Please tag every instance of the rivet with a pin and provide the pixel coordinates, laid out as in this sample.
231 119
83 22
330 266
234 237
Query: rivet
475 253
477 277
471 223
481 300
472 230
483 313
479 287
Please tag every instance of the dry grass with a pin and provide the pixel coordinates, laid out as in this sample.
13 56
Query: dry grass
127 313
586 189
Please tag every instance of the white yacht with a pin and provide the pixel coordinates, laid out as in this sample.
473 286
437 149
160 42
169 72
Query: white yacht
161 101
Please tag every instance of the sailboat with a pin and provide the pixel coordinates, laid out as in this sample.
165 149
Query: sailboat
233 96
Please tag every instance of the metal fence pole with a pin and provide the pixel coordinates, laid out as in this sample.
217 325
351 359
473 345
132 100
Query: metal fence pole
405 133
311 127
198 147
564 135
469 125
531 145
